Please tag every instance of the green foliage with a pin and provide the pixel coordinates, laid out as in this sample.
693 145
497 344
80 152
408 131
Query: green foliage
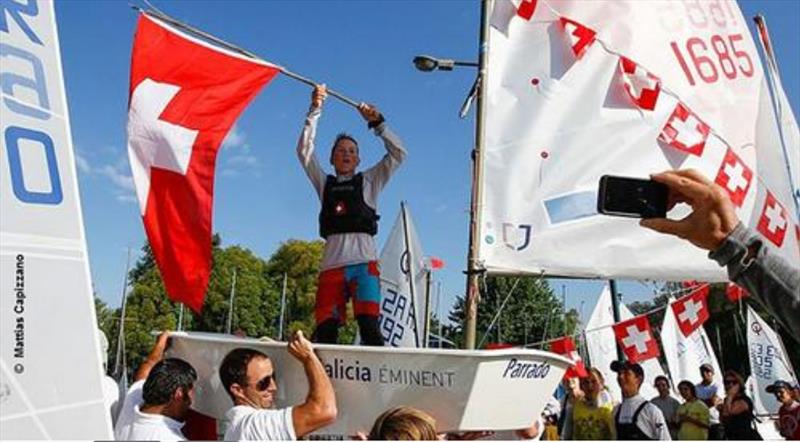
532 313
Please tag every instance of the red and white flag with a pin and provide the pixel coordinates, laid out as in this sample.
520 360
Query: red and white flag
636 338
684 131
735 177
526 9
691 311
185 95
774 221
642 86
735 292
580 37
566 346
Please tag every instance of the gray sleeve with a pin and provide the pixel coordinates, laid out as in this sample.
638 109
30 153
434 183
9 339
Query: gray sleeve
380 173
767 276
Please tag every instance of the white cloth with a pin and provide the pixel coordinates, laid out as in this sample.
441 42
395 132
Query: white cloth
350 248
248 423
127 412
651 421
704 393
133 424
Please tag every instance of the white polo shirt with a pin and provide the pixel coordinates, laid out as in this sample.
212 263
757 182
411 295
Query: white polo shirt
133 424
651 420
248 423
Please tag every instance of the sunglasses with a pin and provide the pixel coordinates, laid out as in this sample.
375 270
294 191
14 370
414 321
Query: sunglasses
265 382
731 382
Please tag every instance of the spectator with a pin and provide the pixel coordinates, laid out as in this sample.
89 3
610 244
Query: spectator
589 419
713 226
789 413
667 404
708 392
636 418
692 415
736 411
250 379
572 394
404 423
158 402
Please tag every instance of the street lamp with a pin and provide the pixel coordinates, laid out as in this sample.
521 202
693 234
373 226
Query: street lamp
427 63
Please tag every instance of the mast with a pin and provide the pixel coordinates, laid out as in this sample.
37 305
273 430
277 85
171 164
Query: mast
411 274
473 266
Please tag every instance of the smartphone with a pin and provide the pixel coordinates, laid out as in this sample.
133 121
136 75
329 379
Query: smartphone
632 197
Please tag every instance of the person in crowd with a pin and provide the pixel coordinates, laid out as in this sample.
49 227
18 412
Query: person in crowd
249 379
404 423
709 391
714 226
636 418
692 416
112 393
348 222
736 411
667 404
789 413
156 405
572 393
588 419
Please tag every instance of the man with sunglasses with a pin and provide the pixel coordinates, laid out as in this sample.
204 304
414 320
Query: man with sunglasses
249 378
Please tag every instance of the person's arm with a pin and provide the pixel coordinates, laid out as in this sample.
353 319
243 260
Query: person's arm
305 145
659 424
152 359
714 226
733 407
380 173
319 409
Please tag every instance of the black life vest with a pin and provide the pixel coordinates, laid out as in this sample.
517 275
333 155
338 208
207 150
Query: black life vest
630 431
344 209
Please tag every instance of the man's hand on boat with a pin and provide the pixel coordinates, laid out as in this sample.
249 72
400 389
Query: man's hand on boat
713 216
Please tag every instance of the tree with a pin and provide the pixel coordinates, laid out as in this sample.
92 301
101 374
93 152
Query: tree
531 314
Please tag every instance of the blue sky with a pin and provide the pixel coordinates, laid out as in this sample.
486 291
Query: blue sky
360 48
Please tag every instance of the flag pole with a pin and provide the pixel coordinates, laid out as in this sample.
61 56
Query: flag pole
120 362
427 325
283 308
191 29
230 303
473 266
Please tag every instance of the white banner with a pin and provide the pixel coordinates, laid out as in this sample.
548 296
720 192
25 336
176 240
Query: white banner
768 360
463 390
402 266
50 369
602 346
684 354
557 122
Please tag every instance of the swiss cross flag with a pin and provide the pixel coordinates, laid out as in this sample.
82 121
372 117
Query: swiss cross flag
774 221
684 131
566 346
642 86
636 338
184 97
735 177
580 37
691 311
526 9
735 292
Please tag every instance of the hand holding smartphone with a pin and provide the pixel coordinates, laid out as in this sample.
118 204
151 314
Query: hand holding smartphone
632 197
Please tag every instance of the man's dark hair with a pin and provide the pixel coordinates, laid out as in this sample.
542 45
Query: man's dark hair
233 369
342 136
661 378
165 378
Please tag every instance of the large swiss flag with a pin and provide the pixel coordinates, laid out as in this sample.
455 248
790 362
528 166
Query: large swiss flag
185 94
691 311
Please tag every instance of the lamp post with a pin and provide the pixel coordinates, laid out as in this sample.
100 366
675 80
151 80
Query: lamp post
427 63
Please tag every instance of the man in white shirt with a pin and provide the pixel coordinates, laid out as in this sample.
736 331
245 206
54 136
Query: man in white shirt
157 403
707 391
348 221
249 378
636 418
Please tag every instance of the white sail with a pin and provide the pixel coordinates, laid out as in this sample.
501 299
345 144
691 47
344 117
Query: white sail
685 354
768 360
50 368
602 346
402 273
555 123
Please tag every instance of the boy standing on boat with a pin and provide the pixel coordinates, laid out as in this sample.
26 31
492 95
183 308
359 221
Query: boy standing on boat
348 221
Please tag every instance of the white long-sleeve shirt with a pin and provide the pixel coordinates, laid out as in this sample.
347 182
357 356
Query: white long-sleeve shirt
343 249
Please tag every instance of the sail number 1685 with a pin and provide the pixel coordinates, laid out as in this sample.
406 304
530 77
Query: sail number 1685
709 59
